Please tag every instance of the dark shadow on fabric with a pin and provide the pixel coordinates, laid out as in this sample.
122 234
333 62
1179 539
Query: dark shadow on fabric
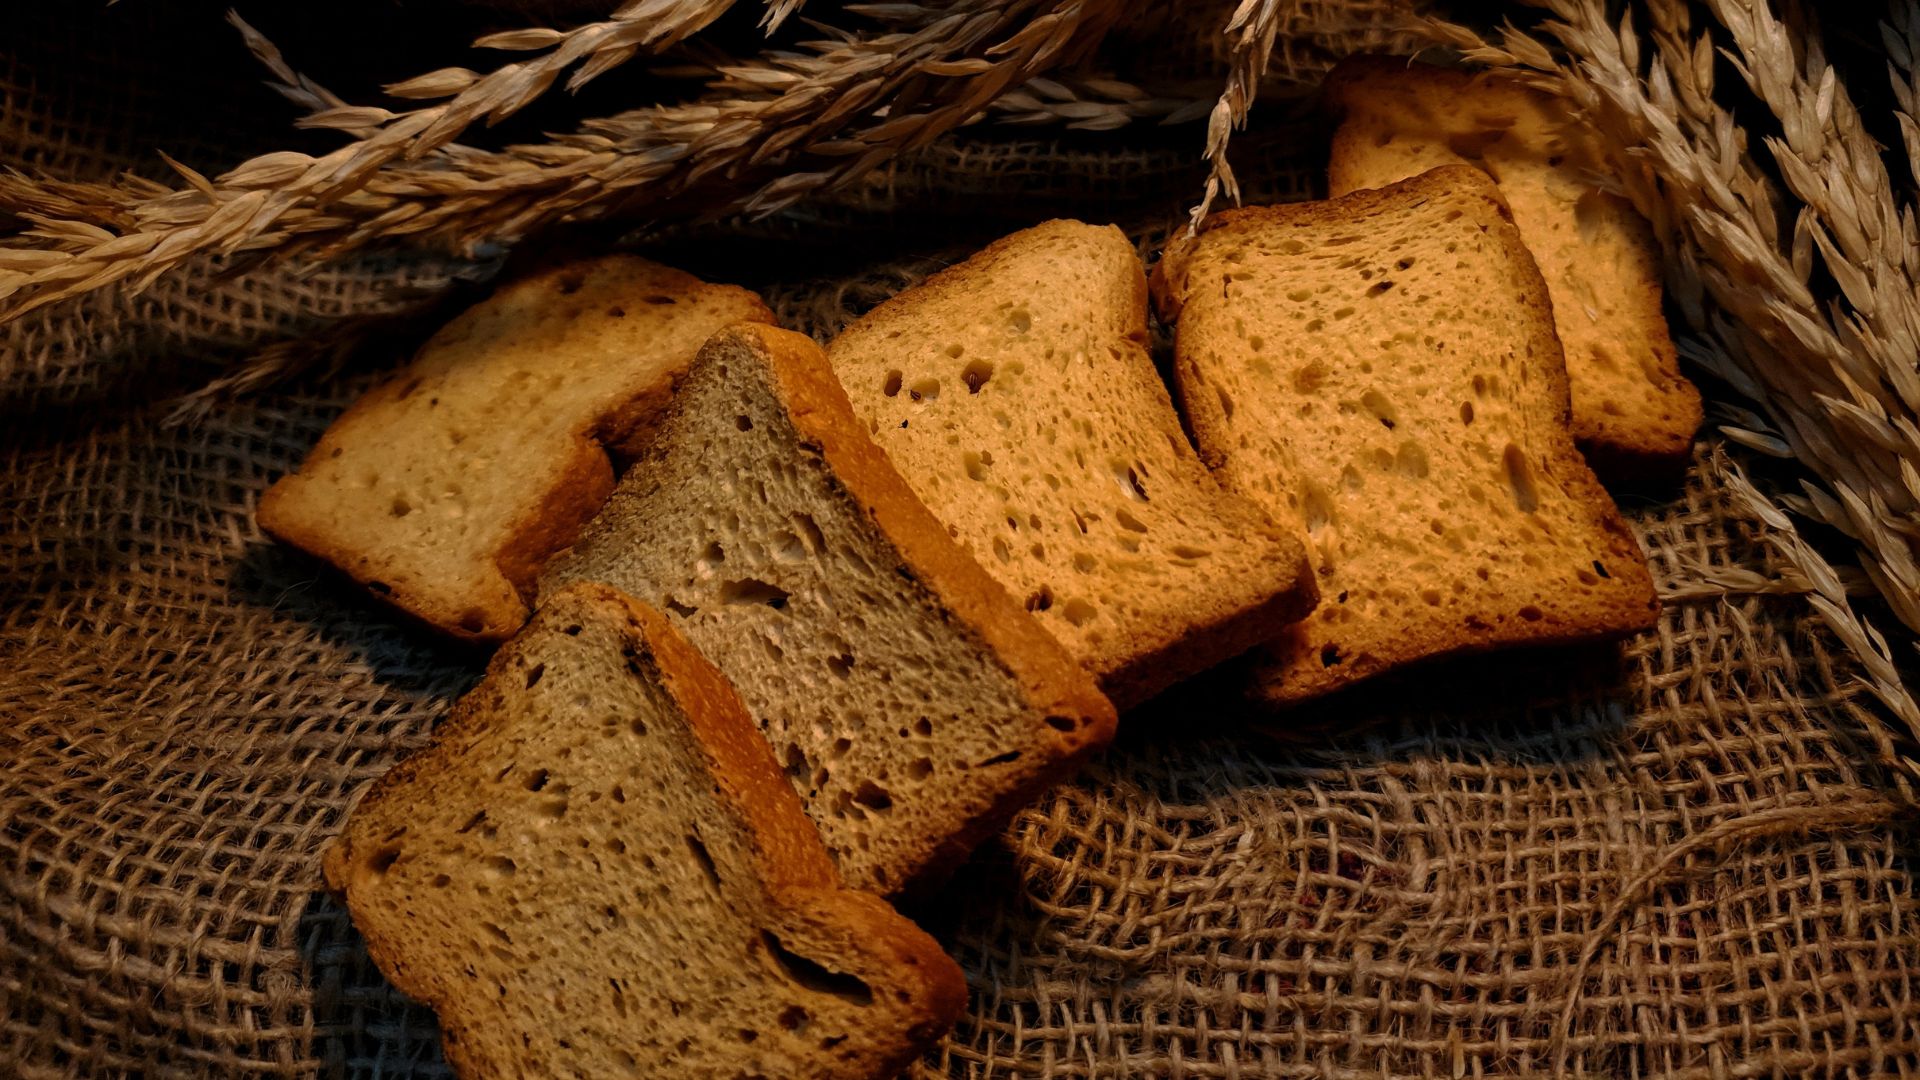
362 1026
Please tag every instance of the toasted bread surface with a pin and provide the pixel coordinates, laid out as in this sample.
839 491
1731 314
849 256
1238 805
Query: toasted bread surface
1015 395
1634 413
444 489
597 869
911 701
1383 368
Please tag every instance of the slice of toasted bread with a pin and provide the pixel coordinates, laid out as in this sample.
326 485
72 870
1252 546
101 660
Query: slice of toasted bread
444 489
912 702
596 869
1015 394
1383 368
1634 414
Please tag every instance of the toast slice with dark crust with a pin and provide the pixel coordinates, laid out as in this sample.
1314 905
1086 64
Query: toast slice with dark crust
444 490
1015 393
597 869
1634 413
1382 368
912 702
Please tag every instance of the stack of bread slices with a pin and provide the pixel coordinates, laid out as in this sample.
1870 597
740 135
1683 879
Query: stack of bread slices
845 610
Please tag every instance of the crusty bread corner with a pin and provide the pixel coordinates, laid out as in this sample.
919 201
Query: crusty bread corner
820 409
1634 412
497 437
1056 459
1229 269
915 987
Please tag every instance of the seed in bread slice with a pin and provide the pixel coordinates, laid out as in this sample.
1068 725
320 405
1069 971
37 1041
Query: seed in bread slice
1382 367
1633 412
1015 394
597 869
444 489
911 701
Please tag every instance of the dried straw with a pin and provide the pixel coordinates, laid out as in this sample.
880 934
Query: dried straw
1835 380
767 132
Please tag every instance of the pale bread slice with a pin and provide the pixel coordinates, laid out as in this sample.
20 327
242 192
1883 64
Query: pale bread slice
1382 367
911 700
596 869
1634 413
1015 394
444 489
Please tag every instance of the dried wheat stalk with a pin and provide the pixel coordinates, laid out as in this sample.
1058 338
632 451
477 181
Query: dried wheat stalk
823 112
1838 381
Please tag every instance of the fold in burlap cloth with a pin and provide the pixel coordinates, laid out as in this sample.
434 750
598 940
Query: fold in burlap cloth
1680 858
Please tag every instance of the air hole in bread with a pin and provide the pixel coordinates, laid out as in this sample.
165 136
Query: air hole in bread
440 881
1411 460
976 374
1601 569
535 674
1002 550
380 587
384 859
658 299
537 779
920 768
1466 413
873 796
812 976
1381 408
891 385
793 1018
500 866
704 859
1020 321
1040 600
685 611
498 932
1001 759
1474 145
405 392
1532 613
743 422
753 591
1317 509
473 621
1079 612
1526 494
1128 521
1330 655
976 465
1128 477
1226 403
924 390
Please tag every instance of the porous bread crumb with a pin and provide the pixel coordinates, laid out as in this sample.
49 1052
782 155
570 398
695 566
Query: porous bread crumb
1015 394
444 489
1382 368
596 869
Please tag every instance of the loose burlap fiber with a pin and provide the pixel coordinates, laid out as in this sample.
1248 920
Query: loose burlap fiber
1684 857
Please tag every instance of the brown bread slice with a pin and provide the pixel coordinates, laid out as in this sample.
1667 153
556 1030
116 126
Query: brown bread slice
444 489
1633 412
596 869
1382 367
1015 394
911 701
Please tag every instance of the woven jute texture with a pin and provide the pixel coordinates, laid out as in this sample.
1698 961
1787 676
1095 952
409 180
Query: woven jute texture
1680 857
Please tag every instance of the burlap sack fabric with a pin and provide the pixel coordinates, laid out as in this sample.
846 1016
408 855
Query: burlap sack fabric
1686 857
